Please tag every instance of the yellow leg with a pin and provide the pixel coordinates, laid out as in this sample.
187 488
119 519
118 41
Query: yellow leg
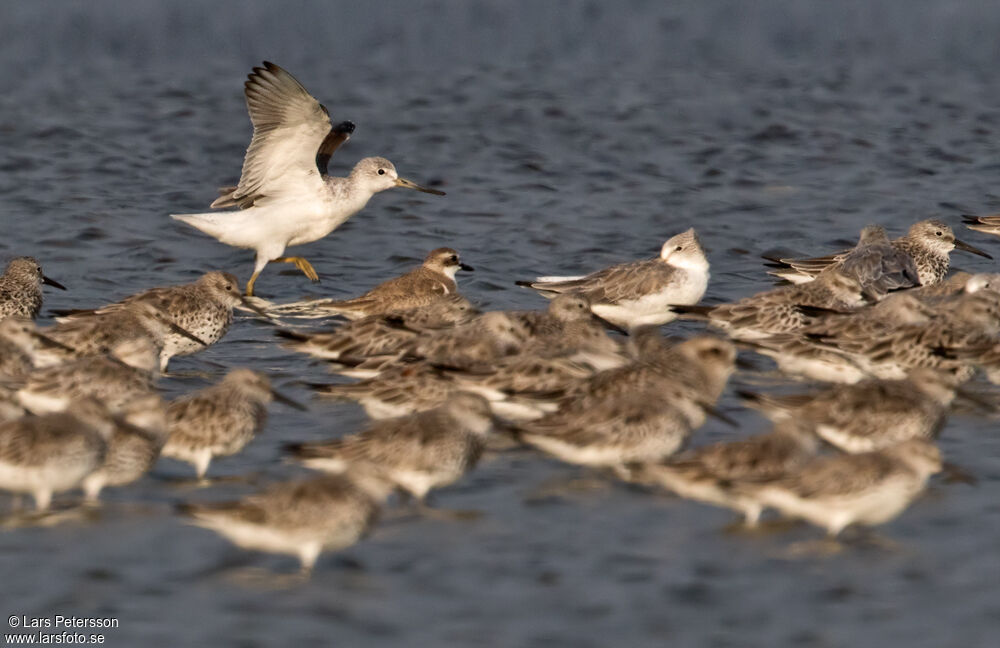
251 282
302 265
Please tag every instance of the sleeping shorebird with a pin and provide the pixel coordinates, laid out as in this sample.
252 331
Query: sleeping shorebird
641 292
434 279
285 196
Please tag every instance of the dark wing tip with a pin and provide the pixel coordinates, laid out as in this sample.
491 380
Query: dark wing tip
346 126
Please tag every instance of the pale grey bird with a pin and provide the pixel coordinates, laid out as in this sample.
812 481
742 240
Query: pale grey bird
418 452
53 453
285 196
220 420
133 447
97 334
782 309
300 518
637 413
21 288
870 488
707 474
639 293
868 415
128 372
381 335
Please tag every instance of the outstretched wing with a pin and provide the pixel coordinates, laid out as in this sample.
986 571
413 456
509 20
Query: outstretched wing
289 130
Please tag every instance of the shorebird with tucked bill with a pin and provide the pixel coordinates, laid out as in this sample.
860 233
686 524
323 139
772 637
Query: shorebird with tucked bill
434 279
639 293
285 196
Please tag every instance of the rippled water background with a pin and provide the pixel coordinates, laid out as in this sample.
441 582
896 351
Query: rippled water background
569 135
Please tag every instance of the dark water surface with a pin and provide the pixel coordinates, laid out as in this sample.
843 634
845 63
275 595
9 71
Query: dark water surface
569 135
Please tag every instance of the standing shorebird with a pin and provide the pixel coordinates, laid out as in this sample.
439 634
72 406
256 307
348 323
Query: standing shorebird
48 454
219 420
419 452
929 243
203 308
285 196
21 288
869 488
641 292
300 518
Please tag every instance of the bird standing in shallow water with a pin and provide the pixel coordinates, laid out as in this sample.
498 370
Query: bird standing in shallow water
285 195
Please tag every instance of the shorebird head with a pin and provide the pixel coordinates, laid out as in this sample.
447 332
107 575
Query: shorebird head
684 251
223 287
983 281
935 235
844 288
28 270
508 334
873 234
472 410
570 308
94 414
257 386
715 357
445 261
378 174
148 414
937 385
902 309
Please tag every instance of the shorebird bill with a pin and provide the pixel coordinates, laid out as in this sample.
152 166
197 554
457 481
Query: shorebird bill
403 182
256 309
49 342
962 245
281 398
52 282
466 267
174 328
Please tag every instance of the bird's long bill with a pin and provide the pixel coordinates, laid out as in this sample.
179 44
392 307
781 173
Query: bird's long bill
954 473
256 309
466 267
169 323
403 182
52 282
281 398
962 245
49 342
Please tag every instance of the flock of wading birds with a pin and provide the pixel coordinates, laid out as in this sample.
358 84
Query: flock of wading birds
889 336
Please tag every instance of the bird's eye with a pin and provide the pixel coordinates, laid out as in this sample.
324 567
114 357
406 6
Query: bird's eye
381 171
938 233
453 259
678 248
229 286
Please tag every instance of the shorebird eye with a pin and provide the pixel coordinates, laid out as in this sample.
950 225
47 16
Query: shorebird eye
381 171
678 248
454 259
939 233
